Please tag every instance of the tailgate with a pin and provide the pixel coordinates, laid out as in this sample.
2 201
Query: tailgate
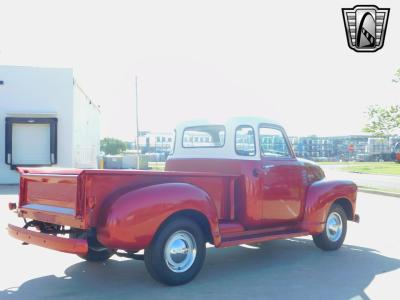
51 197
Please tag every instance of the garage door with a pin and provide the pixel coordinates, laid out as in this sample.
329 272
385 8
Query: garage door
30 144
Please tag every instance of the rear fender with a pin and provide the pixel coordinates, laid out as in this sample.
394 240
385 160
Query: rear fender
319 199
129 221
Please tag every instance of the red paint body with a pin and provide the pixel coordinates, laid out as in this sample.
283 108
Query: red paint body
241 204
236 200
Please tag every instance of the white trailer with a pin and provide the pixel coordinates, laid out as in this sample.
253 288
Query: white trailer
45 120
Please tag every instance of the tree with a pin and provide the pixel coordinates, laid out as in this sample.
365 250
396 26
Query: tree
112 146
383 121
397 74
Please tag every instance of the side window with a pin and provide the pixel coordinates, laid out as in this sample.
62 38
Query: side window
244 141
273 143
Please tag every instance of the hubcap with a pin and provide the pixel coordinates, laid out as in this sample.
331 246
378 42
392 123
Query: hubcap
180 251
334 227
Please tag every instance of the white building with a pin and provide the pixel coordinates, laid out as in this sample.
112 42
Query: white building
378 146
45 120
155 141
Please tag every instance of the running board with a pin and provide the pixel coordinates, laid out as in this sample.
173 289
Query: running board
258 238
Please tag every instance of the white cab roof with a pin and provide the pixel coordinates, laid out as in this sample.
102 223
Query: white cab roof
229 122
227 151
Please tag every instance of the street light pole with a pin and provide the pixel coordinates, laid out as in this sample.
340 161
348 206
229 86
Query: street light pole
137 125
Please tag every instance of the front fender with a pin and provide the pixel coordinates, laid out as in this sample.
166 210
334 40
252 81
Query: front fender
320 197
130 221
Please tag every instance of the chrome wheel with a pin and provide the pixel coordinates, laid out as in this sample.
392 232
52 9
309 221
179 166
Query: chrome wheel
180 251
334 227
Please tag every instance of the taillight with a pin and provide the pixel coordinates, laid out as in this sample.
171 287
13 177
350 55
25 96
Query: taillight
12 206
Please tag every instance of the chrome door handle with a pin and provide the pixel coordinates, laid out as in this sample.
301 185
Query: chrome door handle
267 167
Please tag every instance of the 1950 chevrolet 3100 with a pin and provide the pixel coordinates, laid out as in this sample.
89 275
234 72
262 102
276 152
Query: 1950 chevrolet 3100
228 183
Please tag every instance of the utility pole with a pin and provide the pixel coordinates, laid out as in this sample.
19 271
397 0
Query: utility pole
137 125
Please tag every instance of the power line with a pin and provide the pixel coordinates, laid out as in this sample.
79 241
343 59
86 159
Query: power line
137 123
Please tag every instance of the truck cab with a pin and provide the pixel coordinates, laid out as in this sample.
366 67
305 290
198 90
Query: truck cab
259 151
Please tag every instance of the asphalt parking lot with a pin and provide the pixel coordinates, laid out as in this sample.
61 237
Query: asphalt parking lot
374 181
366 267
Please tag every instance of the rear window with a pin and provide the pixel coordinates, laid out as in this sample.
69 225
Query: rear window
204 136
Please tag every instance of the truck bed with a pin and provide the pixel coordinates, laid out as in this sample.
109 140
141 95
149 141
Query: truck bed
73 197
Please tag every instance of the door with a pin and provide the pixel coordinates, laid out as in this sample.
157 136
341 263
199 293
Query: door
30 144
282 186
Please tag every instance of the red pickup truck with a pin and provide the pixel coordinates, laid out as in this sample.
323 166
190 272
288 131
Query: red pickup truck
226 183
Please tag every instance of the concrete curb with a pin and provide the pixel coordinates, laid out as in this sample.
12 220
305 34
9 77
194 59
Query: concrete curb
378 192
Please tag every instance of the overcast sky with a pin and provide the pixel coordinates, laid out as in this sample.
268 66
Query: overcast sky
285 60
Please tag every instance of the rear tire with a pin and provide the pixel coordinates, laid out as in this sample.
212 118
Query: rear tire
176 253
335 230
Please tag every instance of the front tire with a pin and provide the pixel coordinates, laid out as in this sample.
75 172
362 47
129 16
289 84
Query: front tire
176 253
335 230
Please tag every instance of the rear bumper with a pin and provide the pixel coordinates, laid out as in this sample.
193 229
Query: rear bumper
75 246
